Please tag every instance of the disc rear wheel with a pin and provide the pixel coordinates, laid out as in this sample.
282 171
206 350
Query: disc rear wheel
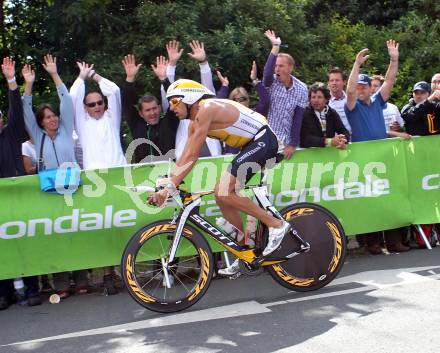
318 266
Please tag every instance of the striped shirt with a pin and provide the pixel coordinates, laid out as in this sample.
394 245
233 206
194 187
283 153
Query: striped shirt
286 105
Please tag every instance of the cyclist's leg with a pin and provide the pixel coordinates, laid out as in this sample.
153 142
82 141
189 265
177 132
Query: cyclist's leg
230 203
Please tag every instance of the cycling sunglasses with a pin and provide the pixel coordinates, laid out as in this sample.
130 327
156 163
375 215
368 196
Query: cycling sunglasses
240 99
93 104
174 102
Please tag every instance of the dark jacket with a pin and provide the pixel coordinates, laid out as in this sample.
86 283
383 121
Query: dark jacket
311 131
11 138
421 119
163 134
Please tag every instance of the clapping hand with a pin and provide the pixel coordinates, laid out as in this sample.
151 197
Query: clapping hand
160 70
84 69
28 74
131 69
50 64
8 68
174 52
274 40
198 51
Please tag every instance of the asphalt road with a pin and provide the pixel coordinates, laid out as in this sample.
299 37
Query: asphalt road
387 303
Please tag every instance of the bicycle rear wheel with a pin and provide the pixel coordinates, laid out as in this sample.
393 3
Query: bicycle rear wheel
317 267
187 277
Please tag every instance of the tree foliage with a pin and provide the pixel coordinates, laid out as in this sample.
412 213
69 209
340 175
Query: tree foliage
319 34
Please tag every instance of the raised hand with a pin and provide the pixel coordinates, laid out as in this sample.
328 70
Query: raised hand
8 68
198 51
131 69
362 56
84 69
160 70
223 79
174 52
253 74
274 40
393 49
50 64
28 74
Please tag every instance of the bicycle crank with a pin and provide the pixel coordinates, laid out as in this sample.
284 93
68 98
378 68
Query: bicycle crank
249 269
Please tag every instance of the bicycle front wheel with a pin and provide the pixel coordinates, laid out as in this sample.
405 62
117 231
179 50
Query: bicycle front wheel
317 267
161 287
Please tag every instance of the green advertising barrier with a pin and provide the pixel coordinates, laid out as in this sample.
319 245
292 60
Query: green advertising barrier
370 186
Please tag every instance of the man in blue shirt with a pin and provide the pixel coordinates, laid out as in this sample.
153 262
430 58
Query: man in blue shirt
363 109
364 112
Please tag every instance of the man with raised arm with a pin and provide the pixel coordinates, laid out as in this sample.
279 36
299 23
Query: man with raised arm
364 111
144 115
237 126
288 96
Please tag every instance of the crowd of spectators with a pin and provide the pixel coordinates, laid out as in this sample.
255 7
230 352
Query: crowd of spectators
87 129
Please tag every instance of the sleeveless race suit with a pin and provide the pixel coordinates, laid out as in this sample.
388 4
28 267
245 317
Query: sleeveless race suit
259 144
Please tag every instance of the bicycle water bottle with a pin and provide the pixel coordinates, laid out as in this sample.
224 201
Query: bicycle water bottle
229 229
20 291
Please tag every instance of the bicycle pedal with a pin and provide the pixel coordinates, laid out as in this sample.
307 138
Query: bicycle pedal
235 276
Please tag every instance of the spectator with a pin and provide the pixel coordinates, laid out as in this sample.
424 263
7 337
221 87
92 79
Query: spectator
391 114
365 114
58 146
11 137
321 124
98 120
240 95
30 165
435 82
212 147
29 157
422 112
98 124
336 81
288 96
147 121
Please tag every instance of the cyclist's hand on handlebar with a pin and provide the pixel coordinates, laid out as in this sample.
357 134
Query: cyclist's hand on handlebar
159 197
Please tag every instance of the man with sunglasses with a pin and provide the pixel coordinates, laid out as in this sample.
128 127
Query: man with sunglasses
98 120
237 126
98 124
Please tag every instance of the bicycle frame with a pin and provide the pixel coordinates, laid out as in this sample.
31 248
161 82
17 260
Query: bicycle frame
192 202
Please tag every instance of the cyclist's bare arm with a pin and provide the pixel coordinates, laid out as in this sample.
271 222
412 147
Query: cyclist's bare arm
197 133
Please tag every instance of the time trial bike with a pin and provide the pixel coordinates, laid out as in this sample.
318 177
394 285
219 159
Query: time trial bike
168 265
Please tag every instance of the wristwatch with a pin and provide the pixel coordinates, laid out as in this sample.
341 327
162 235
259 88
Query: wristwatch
256 82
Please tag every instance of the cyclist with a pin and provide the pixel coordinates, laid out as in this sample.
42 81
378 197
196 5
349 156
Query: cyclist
237 126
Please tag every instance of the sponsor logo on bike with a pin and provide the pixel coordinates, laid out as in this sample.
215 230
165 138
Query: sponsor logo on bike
78 220
338 245
302 282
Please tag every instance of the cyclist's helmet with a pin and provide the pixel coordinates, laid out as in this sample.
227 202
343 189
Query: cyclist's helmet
190 91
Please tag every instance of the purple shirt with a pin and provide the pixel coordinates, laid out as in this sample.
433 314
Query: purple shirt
287 104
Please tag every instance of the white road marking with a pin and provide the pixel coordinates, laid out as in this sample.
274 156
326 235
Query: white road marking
371 280
221 312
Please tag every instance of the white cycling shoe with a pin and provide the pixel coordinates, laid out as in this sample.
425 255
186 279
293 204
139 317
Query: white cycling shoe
233 269
276 236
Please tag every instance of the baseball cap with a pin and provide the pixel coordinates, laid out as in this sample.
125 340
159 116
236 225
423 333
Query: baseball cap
422 86
364 79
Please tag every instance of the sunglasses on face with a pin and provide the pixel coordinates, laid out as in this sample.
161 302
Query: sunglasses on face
93 104
174 102
240 99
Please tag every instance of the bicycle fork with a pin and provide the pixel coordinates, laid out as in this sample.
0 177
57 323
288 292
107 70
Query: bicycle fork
178 234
